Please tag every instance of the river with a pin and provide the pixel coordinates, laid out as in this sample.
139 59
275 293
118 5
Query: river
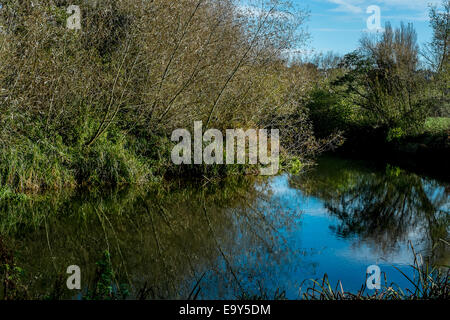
247 235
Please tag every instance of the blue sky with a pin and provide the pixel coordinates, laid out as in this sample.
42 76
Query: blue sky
337 25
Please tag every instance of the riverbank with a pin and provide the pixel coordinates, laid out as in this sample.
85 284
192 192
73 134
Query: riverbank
97 105
427 152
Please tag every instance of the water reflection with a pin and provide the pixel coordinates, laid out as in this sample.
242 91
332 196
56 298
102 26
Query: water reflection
241 235
163 240
383 207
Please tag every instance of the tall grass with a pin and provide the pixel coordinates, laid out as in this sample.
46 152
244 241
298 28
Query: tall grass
428 283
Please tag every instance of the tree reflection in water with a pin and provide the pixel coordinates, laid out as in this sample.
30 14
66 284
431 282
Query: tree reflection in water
236 236
162 240
381 207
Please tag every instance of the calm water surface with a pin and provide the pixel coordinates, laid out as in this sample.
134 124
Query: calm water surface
245 235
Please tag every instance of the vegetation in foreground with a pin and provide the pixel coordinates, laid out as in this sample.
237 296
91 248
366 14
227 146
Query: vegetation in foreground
429 283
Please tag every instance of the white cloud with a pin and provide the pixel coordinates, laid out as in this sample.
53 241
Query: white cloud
359 6
346 6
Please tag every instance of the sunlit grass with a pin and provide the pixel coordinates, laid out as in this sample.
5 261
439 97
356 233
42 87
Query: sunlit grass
437 125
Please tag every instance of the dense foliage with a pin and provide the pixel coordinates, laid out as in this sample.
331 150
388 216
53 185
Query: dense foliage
389 87
98 105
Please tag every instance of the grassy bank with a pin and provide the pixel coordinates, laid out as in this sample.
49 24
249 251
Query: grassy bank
425 151
437 126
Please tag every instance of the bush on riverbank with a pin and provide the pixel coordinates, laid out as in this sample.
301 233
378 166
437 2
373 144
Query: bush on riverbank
383 94
98 105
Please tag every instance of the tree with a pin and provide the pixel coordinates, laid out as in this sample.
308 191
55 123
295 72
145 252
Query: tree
437 53
438 50
382 78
